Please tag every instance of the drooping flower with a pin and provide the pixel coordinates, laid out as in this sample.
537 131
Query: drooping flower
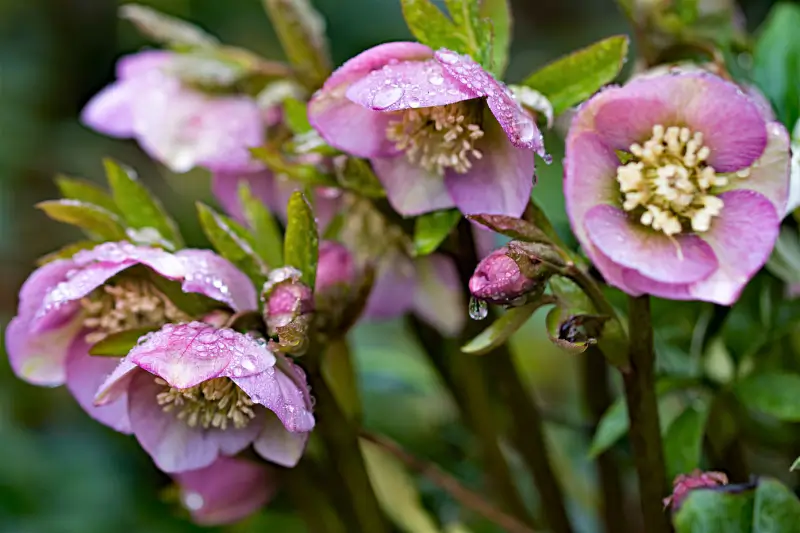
675 186
69 304
685 483
196 392
175 124
227 491
439 130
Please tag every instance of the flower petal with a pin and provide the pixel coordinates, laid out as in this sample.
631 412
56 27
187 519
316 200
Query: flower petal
278 445
214 276
109 111
499 183
225 187
742 238
227 491
393 292
438 298
411 189
85 374
681 259
643 285
141 63
375 58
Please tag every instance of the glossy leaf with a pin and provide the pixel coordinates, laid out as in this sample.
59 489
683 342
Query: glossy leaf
430 26
612 427
295 114
476 32
97 222
572 79
772 393
119 344
357 175
301 31
138 207
512 227
500 330
267 238
301 244
683 441
86 191
166 29
431 229
498 14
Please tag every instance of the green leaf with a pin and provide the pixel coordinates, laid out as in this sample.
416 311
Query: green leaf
295 114
785 259
338 370
267 238
515 228
86 191
431 27
476 32
777 509
139 208
500 330
795 465
301 31
166 29
498 14
357 175
119 344
232 242
193 304
306 174
772 393
687 10
612 427
66 252
776 62
683 441
301 244
97 222
573 332
572 79
431 229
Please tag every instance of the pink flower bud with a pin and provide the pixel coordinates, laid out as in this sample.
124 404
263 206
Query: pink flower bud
499 280
287 298
685 483
336 267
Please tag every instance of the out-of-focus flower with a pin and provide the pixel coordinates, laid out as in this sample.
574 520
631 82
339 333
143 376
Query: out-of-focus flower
69 304
439 130
175 124
286 298
228 490
196 392
675 186
498 278
685 483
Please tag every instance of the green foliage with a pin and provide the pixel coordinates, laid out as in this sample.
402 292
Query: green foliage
773 393
120 343
301 244
296 116
497 13
500 330
97 223
356 175
304 173
511 227
86 191
431 229
683 441
432 27
267 238
165 29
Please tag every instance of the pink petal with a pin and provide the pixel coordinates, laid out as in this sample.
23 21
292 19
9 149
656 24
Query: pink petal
613 274
85 374
214 276
411 189
438 298
141 63
185 355
375 58
226 190
742 238
499 183
283 390
485 240
393 292
278 445
336 267
682 259
642 285
117 383
109 111
227 491
517 123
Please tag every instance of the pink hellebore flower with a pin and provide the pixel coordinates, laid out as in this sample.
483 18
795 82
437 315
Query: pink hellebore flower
439 130
691 210
685 483
179 126
498 279
68 304
227 491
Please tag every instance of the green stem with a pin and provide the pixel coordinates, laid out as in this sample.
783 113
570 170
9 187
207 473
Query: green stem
528 437
303 484
644 432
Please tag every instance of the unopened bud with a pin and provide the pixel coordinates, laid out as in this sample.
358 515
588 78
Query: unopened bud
336 270
501 279
685 483
286 299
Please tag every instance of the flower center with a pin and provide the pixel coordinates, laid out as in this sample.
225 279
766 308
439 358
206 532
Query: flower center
439 137
212 404
129 304
669 185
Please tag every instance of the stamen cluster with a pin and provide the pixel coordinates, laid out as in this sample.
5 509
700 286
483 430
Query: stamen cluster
212 404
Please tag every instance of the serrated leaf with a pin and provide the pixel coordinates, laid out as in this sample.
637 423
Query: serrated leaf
166 29
431 27
86 191
295 113
683 441
98 223
498 14
267 238
772 393
776 62
232 242
66 252
138 207
301 244
515 228
357 175
431 229
572 79
301 31
120 343
306 174
500 330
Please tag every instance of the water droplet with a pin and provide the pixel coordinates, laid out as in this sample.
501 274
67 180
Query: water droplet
547 158
525 130
447 56
193 501
436 79
413 102
478 310
386 97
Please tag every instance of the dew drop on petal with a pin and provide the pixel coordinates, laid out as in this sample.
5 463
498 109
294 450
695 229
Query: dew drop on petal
478 310
386 97
413 102
447 56
436 79
193 501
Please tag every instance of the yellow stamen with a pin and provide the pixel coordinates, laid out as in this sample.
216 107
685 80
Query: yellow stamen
212 404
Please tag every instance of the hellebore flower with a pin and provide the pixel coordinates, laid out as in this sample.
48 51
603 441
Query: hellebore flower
498 278
675 186
196 392
227 491
69 304
438 129
177 125
685 483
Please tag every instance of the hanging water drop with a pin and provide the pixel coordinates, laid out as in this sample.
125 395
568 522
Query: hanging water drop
478 310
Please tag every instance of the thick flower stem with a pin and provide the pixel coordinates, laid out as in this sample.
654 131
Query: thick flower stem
644 433
598 399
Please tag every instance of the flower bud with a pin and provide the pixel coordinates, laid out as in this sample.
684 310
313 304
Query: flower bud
685 483
336 270
286 299
501 279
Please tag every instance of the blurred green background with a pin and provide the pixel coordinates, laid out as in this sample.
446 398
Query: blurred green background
61 472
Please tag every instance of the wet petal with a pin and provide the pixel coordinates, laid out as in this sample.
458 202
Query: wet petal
116 384
214 276
411 189
141 63
643 285
109 111
438 298
375 58
227 491
393 292
85 374
681 259
226 190
613 273
499 183
278 445
742 238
